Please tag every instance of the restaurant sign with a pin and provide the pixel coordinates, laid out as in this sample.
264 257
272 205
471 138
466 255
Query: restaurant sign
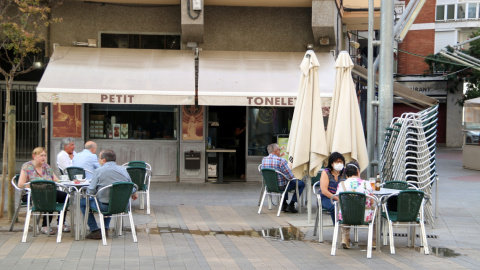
429 88
271 101
119 99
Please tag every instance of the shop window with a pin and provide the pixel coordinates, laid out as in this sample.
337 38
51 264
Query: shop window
265 124
132 122
140 41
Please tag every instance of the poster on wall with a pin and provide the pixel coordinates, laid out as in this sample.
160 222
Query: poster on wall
67 120
282 141
192 123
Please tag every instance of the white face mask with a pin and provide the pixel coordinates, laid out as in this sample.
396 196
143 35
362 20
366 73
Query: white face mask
338 166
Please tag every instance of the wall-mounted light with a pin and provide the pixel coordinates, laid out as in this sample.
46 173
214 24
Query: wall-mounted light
355 44
324 41
310 46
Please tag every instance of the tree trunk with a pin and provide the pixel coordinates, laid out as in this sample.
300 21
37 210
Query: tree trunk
9 81
11 159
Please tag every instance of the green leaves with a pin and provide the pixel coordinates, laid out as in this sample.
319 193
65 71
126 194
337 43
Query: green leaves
457 73
21 32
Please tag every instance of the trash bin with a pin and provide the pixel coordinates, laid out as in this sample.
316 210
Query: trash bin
212 170
192 160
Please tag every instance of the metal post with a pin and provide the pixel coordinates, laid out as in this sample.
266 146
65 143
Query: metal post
370 91
385 82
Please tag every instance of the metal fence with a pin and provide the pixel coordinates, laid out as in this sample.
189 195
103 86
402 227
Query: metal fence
28 117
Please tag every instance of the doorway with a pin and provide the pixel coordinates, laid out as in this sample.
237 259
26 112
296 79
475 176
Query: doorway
227 130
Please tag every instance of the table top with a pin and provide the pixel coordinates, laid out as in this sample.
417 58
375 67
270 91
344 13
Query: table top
220 150
385 191
72 183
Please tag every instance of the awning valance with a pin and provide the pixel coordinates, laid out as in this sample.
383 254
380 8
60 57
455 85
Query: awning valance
236 78
119 76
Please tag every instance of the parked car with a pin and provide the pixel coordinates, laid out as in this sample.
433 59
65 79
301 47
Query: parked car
471 136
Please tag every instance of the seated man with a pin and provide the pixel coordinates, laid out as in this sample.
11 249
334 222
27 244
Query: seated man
107 174
64 158
87 159
274 161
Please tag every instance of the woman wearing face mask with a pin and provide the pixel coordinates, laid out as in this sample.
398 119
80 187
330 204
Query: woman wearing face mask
331 176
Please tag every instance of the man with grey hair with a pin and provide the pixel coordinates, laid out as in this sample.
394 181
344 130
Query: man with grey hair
275 162
67 152
87 159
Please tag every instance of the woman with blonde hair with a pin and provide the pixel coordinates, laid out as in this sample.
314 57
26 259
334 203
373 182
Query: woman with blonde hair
37 169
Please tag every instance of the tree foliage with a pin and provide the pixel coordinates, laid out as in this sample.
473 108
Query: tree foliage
457 73
22 24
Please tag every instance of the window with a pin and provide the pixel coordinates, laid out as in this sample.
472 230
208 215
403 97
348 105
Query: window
450 12
440 13
472 11
140 41
133 122
461 11
264 125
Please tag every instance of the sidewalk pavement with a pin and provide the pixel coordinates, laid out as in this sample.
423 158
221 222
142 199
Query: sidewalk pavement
216 226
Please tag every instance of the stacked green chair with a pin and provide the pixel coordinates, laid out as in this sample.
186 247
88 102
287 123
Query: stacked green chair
42 201
119 205
72 171
352 205
141 177
271 188
410 213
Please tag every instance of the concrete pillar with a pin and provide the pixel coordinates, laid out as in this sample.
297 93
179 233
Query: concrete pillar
192 23
324 21
454 119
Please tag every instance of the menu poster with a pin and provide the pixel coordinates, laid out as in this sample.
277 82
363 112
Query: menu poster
283 143
67 120
123 131
192 123
116 131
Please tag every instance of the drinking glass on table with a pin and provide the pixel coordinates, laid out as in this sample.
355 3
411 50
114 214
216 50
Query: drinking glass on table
372 182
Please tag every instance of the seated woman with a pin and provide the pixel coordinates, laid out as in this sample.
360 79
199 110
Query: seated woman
37 169
354 183
331 176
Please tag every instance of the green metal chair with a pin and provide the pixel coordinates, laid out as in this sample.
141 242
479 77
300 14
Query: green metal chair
141 178
72 171
400 185
119 205
352 205
21 192
410 213
42 201
271 188
138 163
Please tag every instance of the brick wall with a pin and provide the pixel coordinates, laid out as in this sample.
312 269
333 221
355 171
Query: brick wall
420 42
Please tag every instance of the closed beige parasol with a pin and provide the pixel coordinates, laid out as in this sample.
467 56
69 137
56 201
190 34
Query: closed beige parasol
307 147
345 130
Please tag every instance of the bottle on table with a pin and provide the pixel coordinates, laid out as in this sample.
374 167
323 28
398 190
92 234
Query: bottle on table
377 183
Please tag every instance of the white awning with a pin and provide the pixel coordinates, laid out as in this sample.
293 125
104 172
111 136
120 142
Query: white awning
233 78
119 76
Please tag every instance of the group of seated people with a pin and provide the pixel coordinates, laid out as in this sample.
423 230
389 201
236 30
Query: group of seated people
336 177
105 172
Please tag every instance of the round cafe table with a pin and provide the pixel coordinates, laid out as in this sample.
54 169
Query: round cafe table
76 191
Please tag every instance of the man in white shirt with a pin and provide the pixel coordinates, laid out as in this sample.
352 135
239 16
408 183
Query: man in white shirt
65 157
